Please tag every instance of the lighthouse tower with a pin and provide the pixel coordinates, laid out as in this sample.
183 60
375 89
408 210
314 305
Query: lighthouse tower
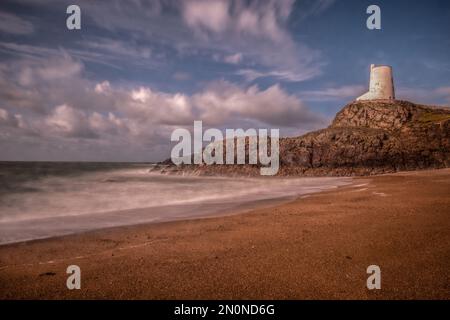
381 86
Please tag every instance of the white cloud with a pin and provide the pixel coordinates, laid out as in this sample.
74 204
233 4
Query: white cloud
110 124
211 15
51 100
63 68
4 115
224 102
51 105
261 19
234 58
69 121
102 87
256 30
8 120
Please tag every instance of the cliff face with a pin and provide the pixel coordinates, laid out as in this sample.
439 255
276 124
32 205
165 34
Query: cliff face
366 137
373 137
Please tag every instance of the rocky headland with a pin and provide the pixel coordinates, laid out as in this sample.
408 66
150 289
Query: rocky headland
365 138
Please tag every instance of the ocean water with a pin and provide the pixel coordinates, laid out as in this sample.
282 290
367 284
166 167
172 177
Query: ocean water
41 200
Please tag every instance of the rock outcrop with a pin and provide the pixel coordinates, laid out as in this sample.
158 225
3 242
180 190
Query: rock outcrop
366 137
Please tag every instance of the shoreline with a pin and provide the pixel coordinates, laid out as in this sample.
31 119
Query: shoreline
313 247
239 209
17 231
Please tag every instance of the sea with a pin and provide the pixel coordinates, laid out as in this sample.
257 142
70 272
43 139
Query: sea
48 199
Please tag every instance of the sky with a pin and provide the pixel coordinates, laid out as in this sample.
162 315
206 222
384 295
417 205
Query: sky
136 70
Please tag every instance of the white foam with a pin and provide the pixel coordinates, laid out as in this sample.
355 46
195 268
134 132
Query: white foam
64 205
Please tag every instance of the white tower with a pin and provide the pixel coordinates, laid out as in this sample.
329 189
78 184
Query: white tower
381 86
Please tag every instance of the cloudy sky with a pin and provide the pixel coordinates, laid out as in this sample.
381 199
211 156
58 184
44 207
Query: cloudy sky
117 88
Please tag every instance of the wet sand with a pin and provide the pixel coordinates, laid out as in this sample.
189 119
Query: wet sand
316 247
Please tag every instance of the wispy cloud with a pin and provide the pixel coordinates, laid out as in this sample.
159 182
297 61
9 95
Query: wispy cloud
256 30
334 93
251 74
424 95
13 24
118 48
233 29
314 7
104 51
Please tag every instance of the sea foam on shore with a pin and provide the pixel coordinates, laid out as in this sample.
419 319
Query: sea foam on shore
41 202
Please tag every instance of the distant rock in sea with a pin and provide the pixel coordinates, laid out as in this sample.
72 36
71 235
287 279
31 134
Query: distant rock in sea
366 137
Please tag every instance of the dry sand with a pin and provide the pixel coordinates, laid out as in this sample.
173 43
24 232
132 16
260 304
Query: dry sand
317 247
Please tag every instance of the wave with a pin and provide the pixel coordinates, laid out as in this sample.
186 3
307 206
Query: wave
58 204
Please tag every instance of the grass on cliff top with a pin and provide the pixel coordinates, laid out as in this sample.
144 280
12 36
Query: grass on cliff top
429 117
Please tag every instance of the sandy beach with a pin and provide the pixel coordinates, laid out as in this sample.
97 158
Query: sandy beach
315 247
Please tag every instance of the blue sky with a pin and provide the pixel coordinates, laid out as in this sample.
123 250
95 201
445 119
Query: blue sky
115 90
